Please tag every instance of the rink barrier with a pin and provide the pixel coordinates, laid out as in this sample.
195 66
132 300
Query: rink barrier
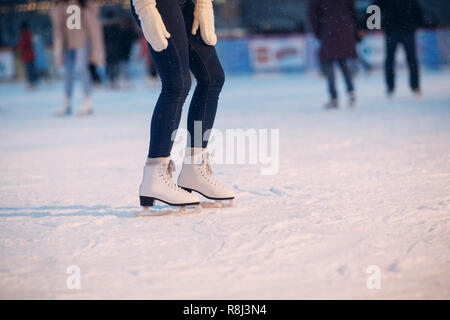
297 53
278 53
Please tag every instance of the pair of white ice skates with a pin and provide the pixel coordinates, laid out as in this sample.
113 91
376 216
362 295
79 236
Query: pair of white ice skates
196 175
85 110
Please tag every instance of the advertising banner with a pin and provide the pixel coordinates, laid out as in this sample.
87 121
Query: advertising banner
444 46
278 54
234 55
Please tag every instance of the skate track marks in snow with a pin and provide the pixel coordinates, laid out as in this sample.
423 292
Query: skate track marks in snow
362 187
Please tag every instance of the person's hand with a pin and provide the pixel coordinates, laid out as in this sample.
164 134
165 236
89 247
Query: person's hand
204 19
152 25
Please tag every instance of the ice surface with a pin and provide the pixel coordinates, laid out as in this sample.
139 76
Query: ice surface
362 187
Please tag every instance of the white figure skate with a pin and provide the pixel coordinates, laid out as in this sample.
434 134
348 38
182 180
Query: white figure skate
86 109
157 184
65 109
196 175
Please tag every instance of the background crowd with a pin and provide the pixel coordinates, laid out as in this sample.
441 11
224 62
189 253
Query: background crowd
100 52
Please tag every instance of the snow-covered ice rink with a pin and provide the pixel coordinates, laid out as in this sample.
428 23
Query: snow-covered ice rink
356 188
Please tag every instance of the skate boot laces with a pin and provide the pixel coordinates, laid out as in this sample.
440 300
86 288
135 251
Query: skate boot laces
207 169
167 173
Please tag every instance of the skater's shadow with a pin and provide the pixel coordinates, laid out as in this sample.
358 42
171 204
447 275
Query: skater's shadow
68 211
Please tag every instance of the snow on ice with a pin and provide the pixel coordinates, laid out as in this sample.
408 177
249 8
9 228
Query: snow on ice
355 188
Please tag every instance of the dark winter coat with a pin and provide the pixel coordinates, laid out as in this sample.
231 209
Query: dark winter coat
400 16
127 36
111 32
334 24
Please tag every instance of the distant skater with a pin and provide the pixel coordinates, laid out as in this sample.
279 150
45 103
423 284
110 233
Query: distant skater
27 54
400 20
334 24
111 32
127 36
75 48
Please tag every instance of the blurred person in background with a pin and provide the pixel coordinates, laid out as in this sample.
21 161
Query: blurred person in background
96 46
75 48
150 69
26 50
41 63
127 36
400 19
334 24
111 32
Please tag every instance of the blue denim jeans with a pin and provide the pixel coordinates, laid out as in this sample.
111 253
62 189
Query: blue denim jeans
185 53
76 60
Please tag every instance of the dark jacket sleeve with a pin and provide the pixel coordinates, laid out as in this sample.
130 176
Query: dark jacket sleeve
314 16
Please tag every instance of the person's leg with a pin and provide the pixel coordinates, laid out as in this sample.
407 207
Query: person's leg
196 173
94 74
409 43
34 73
348 81
69 74
112 72
28 73
172 65
391 47
206 67
116 70
31 73
347 75
82 63
69 70
328 71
